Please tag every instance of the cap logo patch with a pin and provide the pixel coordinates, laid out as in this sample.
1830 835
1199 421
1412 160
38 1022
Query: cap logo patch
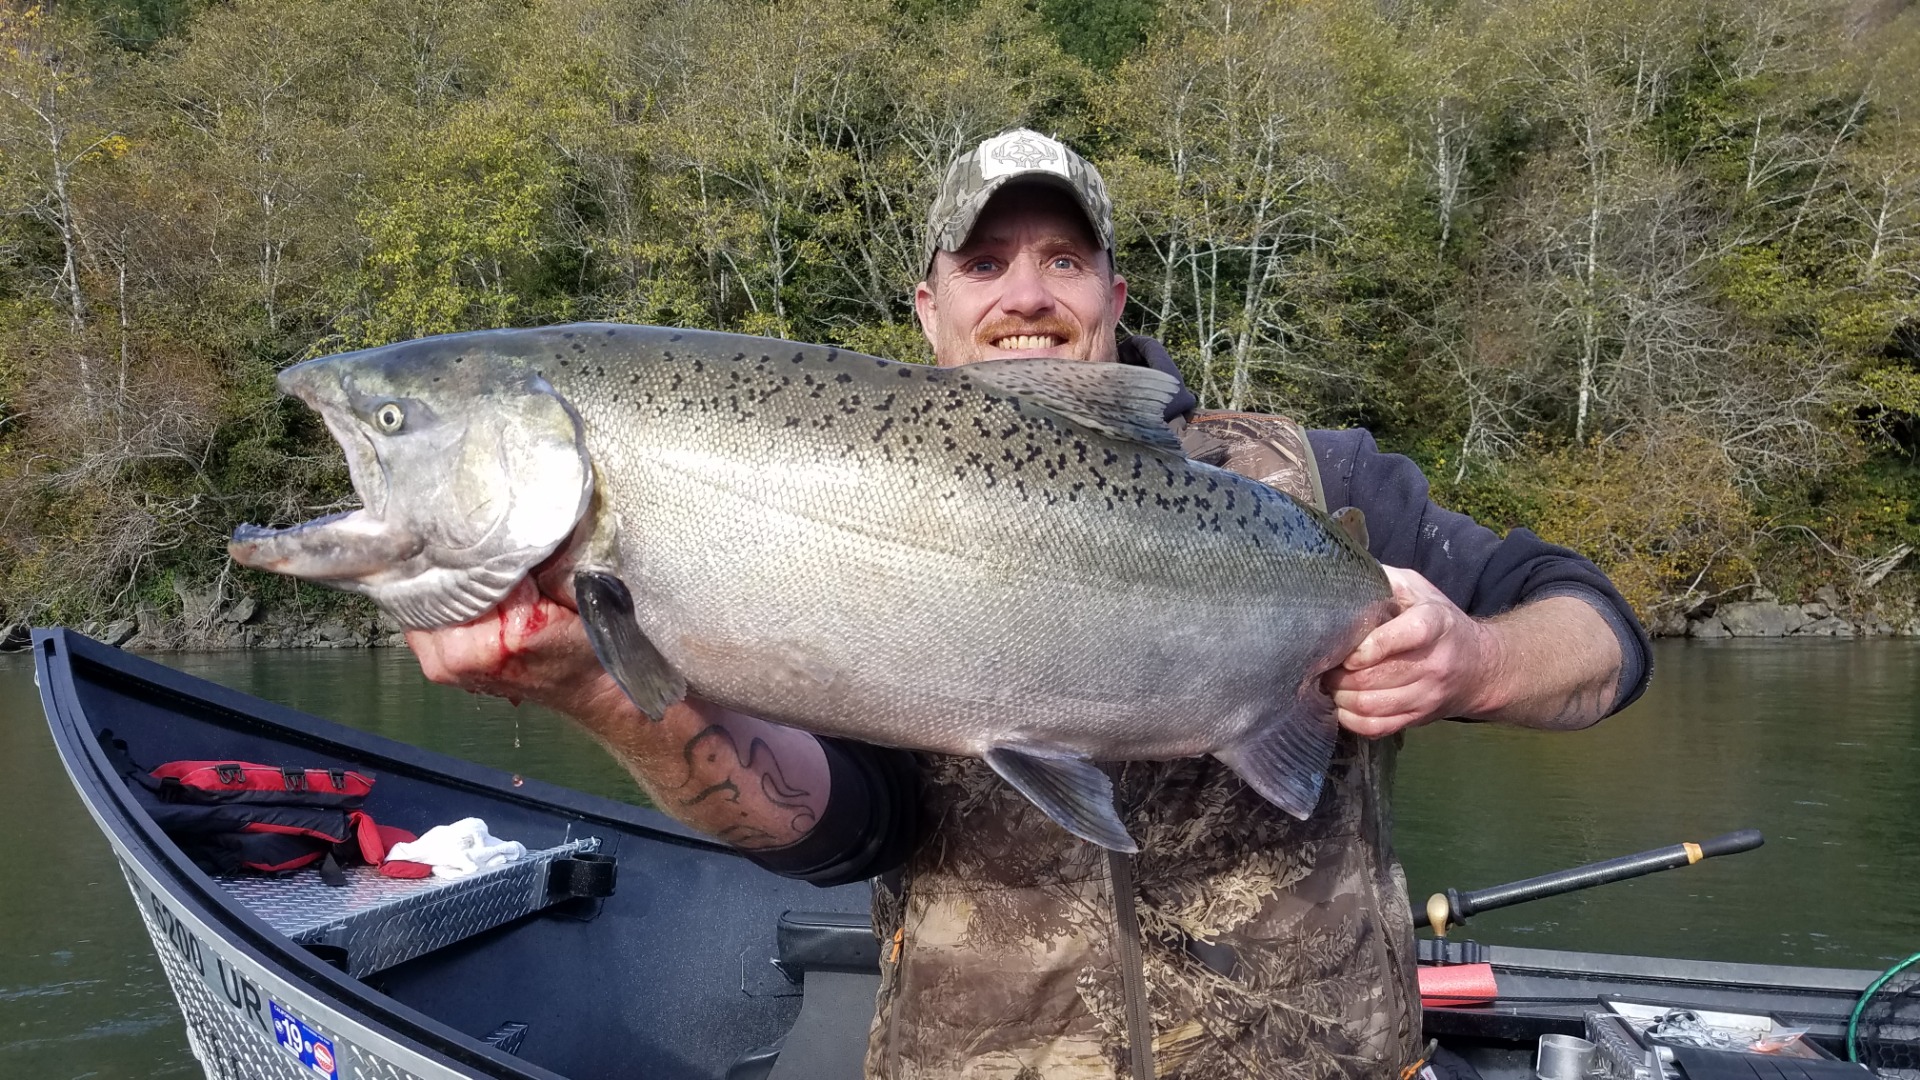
1021 151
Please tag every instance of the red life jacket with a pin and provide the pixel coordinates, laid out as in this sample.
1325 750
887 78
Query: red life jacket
234 816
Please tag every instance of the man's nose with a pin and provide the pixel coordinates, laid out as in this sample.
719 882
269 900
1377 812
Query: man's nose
1026 292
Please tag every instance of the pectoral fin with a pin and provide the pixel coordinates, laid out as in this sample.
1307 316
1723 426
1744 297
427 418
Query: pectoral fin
1286 758
606 608
1068 788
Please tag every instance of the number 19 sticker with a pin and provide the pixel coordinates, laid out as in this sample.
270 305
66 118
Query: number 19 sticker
314 1050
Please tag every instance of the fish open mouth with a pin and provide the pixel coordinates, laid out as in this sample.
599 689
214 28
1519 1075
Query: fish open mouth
347 546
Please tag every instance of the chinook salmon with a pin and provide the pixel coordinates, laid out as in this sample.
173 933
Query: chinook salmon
1012 560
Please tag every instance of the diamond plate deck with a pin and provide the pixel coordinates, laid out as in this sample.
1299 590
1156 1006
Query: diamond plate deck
381 921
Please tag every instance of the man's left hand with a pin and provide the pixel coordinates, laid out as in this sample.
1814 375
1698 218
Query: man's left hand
1427 662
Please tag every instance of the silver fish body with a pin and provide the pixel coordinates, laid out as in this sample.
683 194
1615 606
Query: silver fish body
1010 560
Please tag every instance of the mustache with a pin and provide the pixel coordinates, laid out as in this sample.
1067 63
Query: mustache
1001 328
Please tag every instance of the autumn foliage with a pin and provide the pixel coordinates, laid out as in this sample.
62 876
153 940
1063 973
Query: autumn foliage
1643 276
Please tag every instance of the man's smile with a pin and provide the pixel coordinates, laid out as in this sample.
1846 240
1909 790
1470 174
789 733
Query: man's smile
1020 342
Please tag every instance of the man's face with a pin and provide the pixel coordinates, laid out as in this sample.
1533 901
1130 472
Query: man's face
1030 281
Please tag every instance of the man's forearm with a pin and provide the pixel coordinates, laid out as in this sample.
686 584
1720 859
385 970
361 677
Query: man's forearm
1555 664
751 783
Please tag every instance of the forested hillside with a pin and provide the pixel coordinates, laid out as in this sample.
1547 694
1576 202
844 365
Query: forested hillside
1642 275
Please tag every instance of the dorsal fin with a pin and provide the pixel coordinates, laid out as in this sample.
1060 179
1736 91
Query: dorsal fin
1120 400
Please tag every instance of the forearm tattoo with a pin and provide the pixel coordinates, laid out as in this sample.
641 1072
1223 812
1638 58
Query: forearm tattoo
713 749
1583 706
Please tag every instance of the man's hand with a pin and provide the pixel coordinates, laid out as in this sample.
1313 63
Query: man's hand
1553 663
531 647
1425 663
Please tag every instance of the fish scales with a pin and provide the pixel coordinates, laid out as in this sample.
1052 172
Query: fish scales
829 459
983 560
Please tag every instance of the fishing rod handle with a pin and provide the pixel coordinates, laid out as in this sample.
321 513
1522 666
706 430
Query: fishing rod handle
1461 905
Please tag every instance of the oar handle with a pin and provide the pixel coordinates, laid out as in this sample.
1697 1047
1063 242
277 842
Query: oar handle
1452 907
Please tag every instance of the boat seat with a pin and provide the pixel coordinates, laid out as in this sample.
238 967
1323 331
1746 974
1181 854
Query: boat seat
835 959
374 922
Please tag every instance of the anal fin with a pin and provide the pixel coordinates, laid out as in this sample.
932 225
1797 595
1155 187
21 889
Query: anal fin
606 609
1068 788
1285 759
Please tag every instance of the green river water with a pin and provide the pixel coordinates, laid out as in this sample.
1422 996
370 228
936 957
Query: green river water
1817 744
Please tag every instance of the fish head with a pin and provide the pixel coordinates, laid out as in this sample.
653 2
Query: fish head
470 469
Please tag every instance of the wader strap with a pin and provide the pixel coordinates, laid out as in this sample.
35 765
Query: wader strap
1133 975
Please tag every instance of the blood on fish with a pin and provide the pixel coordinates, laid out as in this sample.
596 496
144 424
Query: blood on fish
514 634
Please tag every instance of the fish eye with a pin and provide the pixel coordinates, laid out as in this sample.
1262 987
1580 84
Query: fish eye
390 417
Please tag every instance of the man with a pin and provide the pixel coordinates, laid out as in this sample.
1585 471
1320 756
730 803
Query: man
1239 942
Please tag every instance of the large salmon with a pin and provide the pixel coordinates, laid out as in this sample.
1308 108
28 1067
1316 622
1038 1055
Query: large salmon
1012 560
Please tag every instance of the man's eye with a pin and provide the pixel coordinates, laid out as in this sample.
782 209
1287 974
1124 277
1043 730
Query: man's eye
981 266
1064 262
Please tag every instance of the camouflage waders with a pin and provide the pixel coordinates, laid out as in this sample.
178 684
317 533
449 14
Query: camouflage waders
1273 948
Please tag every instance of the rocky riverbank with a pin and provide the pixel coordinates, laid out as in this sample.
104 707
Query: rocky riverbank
1827 615
209 620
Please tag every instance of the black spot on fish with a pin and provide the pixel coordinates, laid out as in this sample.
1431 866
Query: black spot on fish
906 373
675 337
610 333
568 335
843 377
799 357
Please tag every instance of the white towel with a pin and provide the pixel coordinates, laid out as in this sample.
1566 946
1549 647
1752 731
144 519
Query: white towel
458 849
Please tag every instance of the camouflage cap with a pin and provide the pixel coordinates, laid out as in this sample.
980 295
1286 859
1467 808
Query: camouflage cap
1019 154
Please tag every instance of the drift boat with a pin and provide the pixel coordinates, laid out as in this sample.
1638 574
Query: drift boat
624 944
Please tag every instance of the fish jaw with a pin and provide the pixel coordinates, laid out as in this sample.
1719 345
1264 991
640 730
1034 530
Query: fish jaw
336 549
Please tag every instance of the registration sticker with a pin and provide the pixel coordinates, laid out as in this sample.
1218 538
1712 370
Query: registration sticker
314 1050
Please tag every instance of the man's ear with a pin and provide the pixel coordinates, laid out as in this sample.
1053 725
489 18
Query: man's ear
925 306
1119 297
